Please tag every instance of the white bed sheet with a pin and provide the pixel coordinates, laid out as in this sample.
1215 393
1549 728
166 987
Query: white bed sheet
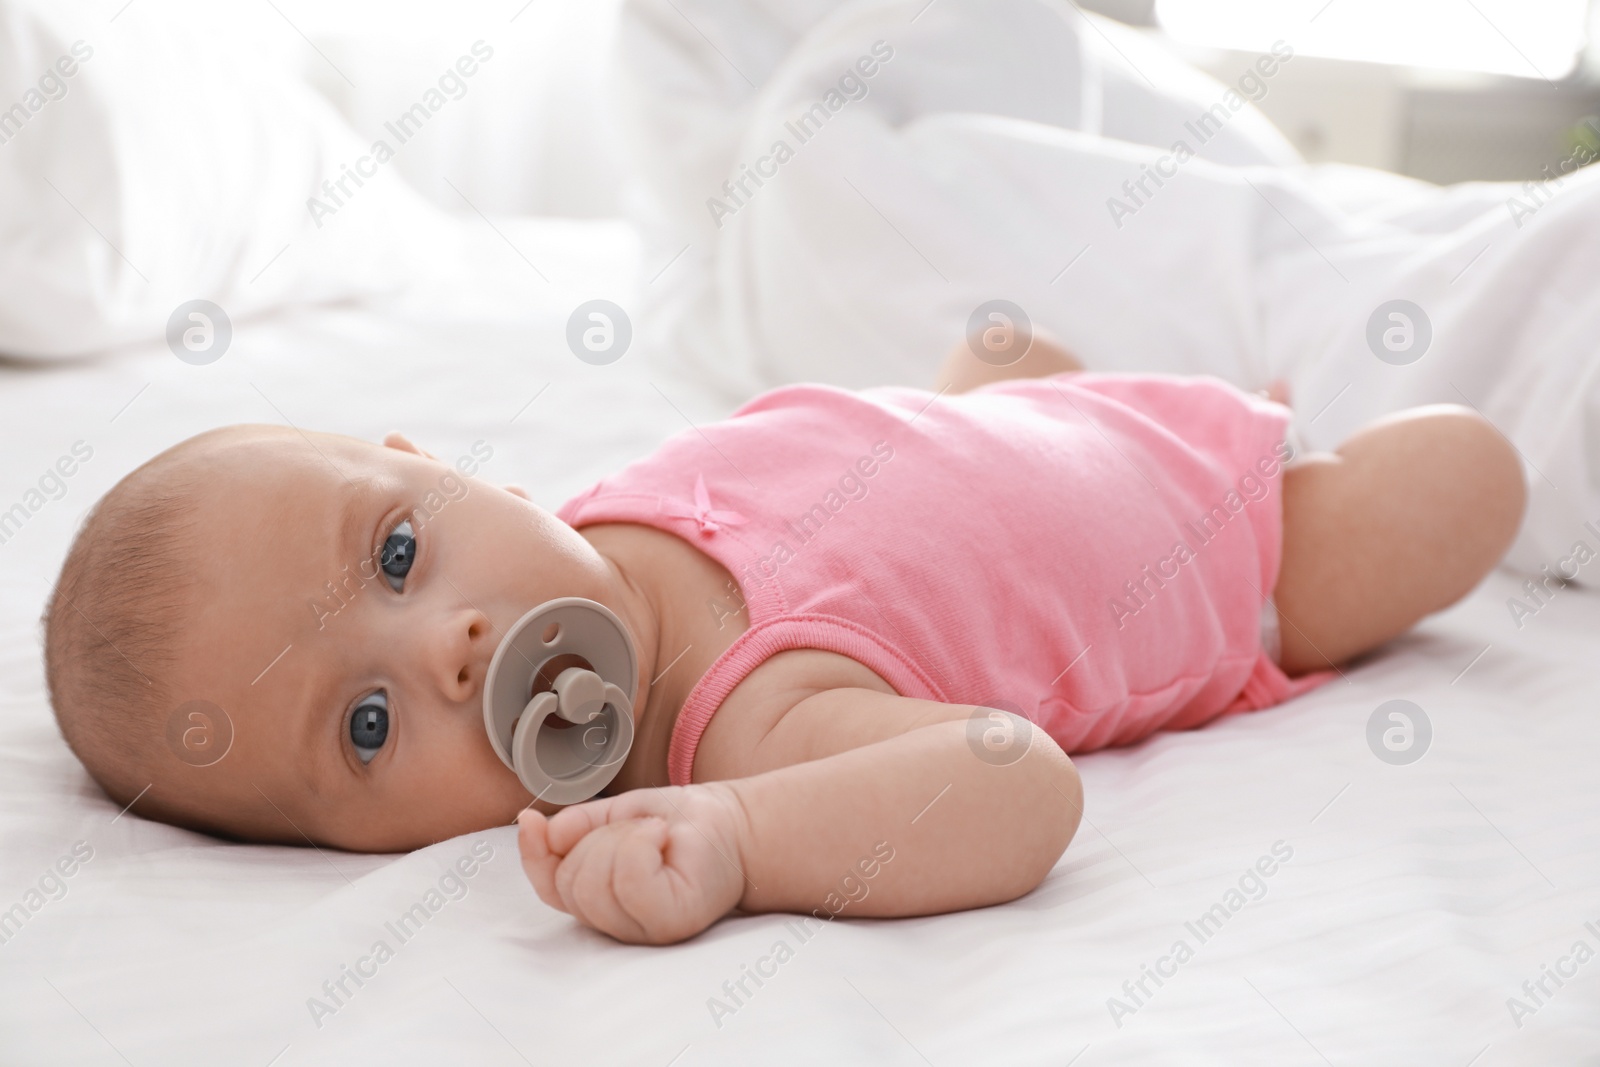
1417 901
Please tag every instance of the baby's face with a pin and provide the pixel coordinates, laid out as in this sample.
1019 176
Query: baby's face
348 648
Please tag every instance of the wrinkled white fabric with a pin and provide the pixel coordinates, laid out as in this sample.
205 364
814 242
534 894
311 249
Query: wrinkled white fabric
168 167
987 160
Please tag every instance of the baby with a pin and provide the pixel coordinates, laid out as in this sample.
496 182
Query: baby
870 626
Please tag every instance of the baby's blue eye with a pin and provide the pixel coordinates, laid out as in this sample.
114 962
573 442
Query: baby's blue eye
369 725
399 551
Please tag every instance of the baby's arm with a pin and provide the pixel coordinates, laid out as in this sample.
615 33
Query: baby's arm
851 801
975 813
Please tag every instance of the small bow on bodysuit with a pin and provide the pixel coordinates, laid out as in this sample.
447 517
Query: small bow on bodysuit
709 518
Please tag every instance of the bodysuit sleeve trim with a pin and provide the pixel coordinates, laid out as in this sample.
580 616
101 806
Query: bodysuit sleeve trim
826 632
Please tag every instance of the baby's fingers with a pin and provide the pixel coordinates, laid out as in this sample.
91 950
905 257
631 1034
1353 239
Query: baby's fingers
656 897
621 861
572 824
538 862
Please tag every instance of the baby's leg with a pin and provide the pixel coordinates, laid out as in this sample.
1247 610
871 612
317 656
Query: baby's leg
1403 521
962 370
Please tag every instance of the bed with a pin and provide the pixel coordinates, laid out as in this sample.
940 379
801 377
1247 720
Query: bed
1317 883
1407 906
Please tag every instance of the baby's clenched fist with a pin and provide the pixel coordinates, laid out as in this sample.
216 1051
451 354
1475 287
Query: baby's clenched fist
651 866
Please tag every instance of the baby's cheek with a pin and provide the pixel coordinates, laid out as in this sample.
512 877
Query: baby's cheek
455 786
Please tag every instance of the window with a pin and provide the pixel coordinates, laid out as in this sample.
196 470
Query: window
1523 38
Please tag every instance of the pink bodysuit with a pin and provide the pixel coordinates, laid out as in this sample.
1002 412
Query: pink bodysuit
1091 550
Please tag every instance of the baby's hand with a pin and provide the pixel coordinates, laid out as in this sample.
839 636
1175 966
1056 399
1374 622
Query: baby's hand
651 866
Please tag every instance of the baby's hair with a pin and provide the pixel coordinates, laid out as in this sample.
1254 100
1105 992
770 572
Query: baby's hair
114 619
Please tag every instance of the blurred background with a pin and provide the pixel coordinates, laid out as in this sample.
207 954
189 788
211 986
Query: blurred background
1443 90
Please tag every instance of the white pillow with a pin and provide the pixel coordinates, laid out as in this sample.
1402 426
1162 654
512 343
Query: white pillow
142 167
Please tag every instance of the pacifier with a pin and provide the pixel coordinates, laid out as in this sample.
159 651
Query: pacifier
563 727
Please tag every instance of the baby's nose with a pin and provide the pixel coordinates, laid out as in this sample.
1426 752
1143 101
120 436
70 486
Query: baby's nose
458 654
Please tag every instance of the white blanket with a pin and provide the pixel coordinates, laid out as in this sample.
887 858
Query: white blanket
1147 216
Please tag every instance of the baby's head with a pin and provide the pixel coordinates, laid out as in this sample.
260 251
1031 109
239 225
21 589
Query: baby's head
338 601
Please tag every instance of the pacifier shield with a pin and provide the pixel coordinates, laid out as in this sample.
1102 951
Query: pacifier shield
567 742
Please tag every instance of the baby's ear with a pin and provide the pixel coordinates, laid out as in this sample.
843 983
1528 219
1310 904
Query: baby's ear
403 443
